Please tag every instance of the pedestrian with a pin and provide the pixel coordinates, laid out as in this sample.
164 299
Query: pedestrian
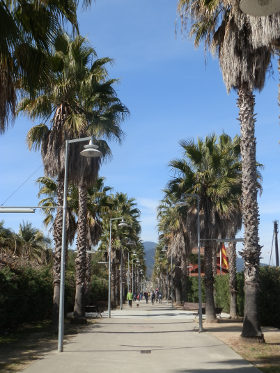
153 297
129 297
146 296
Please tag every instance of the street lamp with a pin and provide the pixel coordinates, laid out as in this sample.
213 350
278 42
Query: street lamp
196 196
90 151
121 224
132 274
260 8
17 209
128 243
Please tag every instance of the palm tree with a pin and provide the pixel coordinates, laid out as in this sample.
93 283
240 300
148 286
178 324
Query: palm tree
227 30
206 171
78 101
28 31
123 206
176 237
34 245
8 242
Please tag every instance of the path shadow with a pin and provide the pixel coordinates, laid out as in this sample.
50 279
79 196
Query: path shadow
28 345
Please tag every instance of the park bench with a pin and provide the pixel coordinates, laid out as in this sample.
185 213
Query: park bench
95 310
190 306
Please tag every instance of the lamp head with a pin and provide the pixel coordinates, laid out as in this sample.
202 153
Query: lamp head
91 150
259 8
123 224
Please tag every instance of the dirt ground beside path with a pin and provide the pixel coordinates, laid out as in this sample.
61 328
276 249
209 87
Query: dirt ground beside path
265 356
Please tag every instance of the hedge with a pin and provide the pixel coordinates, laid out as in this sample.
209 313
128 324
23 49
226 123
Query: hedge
26 295
269 294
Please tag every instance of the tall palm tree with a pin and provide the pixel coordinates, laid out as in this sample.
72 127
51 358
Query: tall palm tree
48 189
78 101
226 29
123 206
27 33
206 171
173 231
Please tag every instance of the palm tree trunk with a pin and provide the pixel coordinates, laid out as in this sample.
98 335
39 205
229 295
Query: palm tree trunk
214 260
57 235
208 267
88 278
209 284
251 252
232 279
81 253
177 284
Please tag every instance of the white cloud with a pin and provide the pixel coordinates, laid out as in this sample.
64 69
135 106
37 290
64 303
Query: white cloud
150 205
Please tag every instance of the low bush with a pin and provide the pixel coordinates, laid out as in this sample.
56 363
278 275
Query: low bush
269 294
26 296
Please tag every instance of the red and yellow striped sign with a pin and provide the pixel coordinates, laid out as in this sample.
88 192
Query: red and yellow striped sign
224 257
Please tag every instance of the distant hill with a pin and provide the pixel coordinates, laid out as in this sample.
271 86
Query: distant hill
240 264
149 256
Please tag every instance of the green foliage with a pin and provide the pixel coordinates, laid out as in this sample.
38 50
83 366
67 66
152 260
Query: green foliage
26 296
192 290
240 293
222 296
269 295
269 298
98 289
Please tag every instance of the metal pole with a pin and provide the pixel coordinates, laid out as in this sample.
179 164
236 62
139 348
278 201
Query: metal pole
128 272
199 267
220 261
63 252
109 273
132 278
171 280
276 244
121 284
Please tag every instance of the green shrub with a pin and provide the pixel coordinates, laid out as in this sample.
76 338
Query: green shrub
192 289
240 293
26 295
98 289
269 296
222 296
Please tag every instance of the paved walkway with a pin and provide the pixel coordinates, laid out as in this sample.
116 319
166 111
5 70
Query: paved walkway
147 339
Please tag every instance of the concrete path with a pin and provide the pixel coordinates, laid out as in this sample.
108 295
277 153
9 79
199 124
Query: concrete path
147 339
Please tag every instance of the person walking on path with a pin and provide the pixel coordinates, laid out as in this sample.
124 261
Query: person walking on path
129 297
146 295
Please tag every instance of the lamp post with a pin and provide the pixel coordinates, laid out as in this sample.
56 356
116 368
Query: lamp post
196 196
121 282
121 224
90 151
132 274
260 8
171 280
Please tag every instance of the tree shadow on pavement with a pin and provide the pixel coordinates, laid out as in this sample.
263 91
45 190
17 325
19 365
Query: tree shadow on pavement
31 343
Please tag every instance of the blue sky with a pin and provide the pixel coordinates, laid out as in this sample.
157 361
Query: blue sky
173 93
